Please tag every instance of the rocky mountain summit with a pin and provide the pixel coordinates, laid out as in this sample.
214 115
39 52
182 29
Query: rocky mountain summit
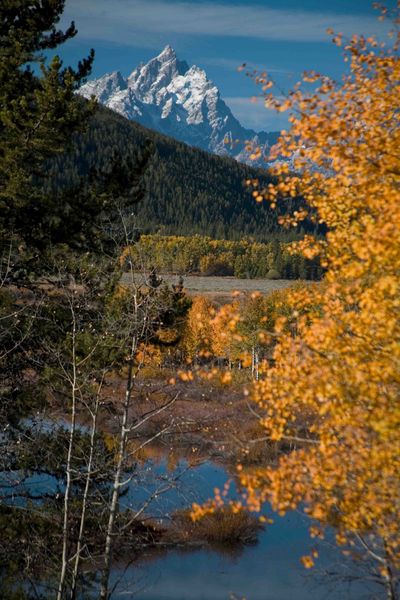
179 101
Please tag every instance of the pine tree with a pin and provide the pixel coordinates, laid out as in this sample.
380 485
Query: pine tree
38 113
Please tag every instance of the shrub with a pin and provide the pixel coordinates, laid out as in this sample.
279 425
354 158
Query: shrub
221 528
273 274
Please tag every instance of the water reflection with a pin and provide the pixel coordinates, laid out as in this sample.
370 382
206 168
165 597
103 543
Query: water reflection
270 570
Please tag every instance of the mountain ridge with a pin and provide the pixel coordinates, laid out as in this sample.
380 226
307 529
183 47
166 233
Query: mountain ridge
178 100
188 190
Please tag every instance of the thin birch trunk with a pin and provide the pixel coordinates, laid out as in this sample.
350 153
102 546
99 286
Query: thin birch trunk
138 335
256 365
104 594
64 557
75 570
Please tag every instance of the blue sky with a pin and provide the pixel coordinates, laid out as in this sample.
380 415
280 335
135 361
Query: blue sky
283 36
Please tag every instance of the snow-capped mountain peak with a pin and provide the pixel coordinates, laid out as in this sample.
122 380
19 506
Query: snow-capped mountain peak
148 79
167 95
167 54
105 86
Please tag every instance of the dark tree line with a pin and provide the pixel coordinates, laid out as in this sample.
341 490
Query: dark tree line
188 191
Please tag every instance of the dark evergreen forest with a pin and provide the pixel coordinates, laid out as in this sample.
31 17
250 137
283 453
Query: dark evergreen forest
188 191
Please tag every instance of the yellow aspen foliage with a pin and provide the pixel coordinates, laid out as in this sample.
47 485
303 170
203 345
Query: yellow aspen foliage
334 389
149 355
225 337
198 334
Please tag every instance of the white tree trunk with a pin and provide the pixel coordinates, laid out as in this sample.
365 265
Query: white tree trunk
79 544
104 593
65 536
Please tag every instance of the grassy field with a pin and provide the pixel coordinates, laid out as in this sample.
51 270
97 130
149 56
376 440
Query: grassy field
221 288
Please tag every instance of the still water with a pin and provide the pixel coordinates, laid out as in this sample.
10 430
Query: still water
270 570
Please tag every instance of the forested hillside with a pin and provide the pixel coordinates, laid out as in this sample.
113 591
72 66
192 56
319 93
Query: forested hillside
188 190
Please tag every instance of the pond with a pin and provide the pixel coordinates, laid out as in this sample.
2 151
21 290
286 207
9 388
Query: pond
269 570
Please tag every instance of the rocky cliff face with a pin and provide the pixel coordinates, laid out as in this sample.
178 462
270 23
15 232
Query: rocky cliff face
180 101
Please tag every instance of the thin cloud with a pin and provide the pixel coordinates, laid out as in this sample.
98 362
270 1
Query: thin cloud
232 65
254 114
130 22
